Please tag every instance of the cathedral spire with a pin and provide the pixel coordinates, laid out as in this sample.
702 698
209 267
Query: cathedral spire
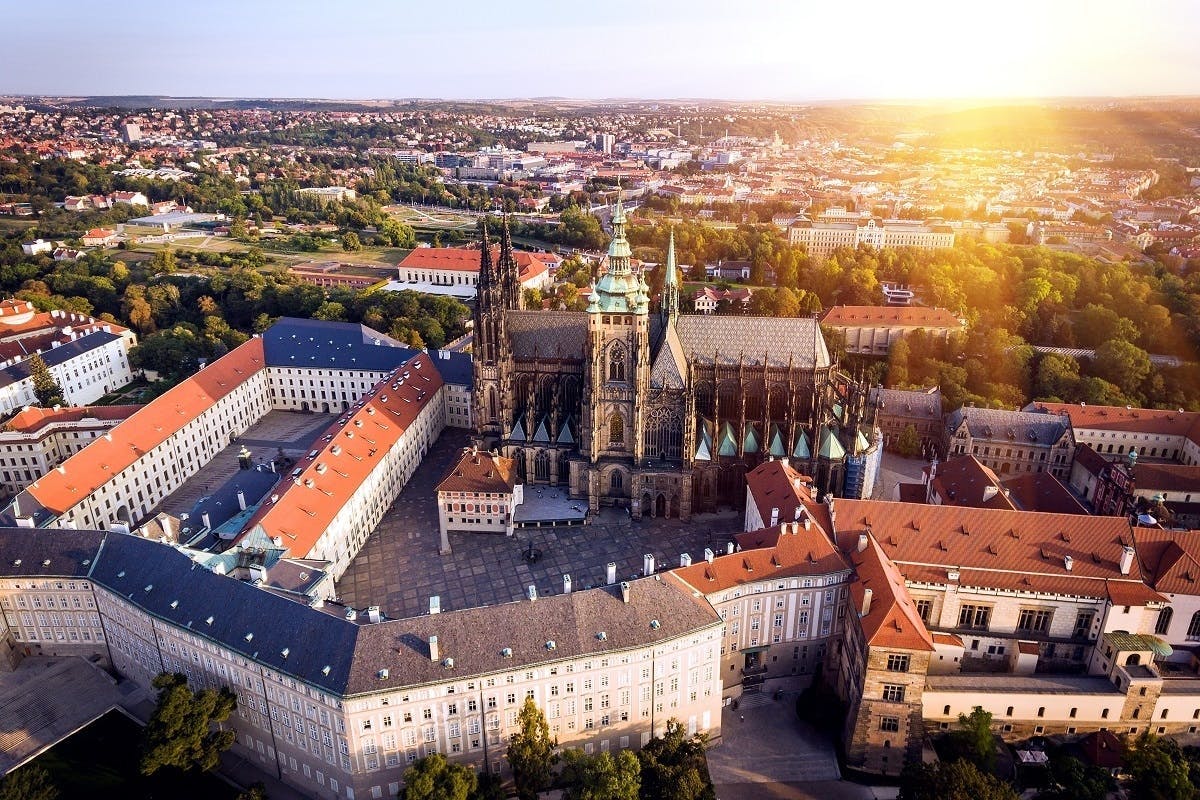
509 274
487 271
619 289
671 284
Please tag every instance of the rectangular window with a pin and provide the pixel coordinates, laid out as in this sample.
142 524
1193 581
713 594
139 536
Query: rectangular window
971 616
893 693
925 609
1034 620
897 663
889 724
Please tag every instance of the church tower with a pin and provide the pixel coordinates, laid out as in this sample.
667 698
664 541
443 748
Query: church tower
492 361
670 292
617 375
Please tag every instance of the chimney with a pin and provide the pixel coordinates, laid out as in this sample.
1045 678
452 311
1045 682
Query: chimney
241 498
709 555
866 604
435 604
685 559
729 548
774 516
258 573
610 573
1126 559
799 511
1068 562
624 591
433 649
566 583
531 592
648 564
373 614
206 520
990 491
862 542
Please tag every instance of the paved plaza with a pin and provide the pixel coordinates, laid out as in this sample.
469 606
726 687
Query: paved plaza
399 567
896 469
292 431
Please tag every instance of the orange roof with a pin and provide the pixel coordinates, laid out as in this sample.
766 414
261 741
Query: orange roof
907 316
50 322
480 471
99 233
964 481
466 259
999 548
106 457
1119 418
1171 559
775 485
892 619
353 447
792 551
32 418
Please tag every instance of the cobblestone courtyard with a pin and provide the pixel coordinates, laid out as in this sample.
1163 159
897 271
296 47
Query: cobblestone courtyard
399 567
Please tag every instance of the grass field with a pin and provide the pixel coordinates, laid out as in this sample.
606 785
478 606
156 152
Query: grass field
102 761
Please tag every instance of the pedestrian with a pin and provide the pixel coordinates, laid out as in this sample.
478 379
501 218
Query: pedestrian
742 717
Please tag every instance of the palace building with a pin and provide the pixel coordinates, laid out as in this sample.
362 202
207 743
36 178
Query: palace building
656 411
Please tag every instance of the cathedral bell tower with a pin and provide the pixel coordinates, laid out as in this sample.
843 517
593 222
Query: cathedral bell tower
492 363
618 371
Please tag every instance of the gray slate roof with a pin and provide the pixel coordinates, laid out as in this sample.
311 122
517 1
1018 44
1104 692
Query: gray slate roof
1011 426
549 334
346 657
909 402
732 337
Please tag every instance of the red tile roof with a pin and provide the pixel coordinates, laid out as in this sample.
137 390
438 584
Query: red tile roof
1171 559
885 316
1041 491
466 259
1118 418
964 481
995 548
774 484
107 456
892 620
480 472
307 505
786 551
32 418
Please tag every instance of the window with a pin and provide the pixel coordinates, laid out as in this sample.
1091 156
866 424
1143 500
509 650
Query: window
897 663
1036 620
616 363
889 724
616 430
925 609
1083 623
970 616
1164 621
1193 631
893 693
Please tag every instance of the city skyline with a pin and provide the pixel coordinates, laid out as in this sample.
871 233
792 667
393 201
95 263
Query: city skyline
754 51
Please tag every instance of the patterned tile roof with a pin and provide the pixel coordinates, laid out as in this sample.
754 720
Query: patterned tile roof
549 334
730 338
997 424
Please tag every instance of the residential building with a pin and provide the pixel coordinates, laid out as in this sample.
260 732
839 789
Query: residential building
36 440
37 246
328 194
872 330
1010 442
99 237
480 494
1113 431
707 299
897 409
820 239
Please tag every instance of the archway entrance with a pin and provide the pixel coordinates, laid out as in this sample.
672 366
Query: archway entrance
646 504
660 506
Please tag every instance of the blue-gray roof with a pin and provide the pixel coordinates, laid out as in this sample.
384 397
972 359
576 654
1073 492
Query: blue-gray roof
57 355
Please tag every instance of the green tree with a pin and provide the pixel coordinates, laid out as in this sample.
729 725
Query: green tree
600 777
30 782
953 780
1159 770
330 312
435 778
897 365
974 740
786 302
1123 364
45 388
1074 780
257 791
180 732
531 752
909 443
351 243
674 766
1057 377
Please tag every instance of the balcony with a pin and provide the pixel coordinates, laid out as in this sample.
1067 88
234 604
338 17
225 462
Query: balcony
747 672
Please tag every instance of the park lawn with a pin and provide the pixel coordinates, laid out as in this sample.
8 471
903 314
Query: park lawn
102 761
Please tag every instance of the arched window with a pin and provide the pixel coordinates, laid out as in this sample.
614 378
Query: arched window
1193 631
616 363
541 466
1164 620
616 431
493 410
616 480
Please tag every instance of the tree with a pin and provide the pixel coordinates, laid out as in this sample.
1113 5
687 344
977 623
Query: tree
45 388
974 740
600 777
435 778
897 369
674 766
1159 770
909 443
954 780
531 752
180 732
257 791
31 782
786 302
1057 378
1123 364
1074 780
351 243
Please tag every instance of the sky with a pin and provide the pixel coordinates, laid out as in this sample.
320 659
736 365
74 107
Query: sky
465 49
